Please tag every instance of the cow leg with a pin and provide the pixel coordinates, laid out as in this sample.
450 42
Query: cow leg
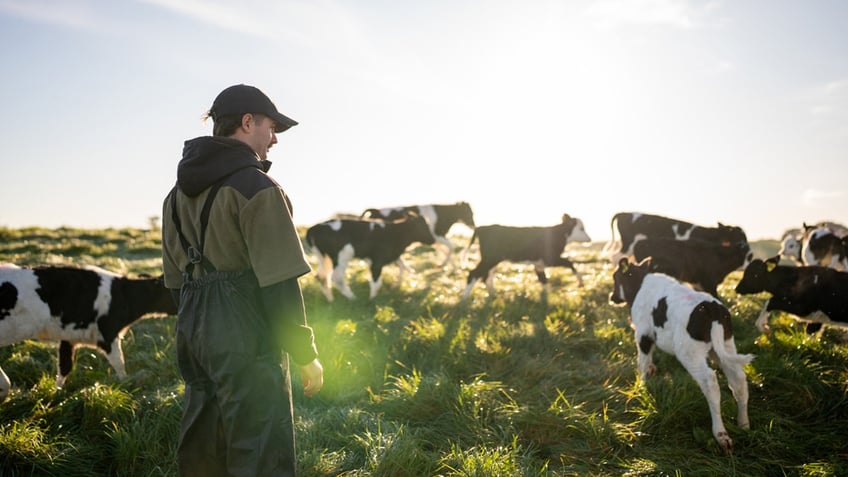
737 381
645 361
116 359
5 385
762 320
564 262
483 269
447 246
706 379
66 362
469 286
490 282
376 279
339 280
402 267
539 267
324 272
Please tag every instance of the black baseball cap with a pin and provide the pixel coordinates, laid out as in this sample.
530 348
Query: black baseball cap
241 99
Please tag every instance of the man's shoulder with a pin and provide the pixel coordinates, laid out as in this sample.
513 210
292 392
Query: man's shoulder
250 181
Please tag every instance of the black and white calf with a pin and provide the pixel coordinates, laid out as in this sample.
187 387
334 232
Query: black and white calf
635 226
700 263
542 246
440 218
689 324
821 245
812 293
77 307
790 247
337 241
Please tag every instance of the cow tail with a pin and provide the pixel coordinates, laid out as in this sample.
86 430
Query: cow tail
464 253
717 338
613 243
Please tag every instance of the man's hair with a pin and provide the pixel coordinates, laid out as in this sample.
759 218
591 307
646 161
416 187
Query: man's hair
226 125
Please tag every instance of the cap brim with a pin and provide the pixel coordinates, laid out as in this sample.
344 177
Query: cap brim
283 122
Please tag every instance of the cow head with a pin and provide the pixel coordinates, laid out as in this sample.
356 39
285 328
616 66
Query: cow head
790 248
575 232
465 214
627 280
755 278
731 233
736 253
419 229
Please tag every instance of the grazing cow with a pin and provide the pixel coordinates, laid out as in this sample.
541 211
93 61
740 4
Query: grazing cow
543 246
703 264
688 324
337 241
77 307
822 246
812 293
440 218
635 226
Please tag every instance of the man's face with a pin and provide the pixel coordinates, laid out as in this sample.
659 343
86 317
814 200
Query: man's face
262 135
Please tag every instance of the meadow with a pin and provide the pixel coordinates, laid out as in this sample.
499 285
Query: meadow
420 383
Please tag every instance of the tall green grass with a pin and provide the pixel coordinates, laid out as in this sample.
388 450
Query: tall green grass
420 383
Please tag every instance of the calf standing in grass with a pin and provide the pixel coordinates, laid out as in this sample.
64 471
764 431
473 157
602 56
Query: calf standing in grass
77 307
338 241
813 293
541 246
688 324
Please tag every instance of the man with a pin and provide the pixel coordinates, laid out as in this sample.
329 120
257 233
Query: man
232 252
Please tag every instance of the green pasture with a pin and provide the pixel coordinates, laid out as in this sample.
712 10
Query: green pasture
420 383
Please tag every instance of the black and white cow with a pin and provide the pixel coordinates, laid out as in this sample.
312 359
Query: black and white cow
812 293
542 246
790 247
822 245
337 241
700 263
635 226
689 324
440 218
77 307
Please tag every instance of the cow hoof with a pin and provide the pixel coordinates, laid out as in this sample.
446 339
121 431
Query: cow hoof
724 441
652 370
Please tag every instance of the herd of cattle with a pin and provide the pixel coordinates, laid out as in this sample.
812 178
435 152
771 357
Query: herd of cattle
668 272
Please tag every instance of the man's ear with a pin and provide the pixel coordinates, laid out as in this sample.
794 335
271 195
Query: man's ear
247 121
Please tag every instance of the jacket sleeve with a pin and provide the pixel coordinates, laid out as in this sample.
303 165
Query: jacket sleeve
286 315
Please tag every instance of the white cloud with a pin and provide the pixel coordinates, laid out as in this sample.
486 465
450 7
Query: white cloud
73 14
817 196
830 98
611 14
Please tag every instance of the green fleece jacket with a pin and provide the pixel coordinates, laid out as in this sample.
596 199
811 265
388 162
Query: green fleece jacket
250 227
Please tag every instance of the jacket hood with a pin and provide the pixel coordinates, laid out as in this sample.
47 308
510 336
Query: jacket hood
208 159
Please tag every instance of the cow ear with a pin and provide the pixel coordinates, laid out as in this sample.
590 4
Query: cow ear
565 218
771 263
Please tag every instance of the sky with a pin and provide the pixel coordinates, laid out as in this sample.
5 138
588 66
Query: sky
707 111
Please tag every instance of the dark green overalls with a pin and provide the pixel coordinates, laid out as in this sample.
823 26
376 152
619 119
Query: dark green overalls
237 419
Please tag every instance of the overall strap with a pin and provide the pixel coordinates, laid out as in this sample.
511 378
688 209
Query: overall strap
195 254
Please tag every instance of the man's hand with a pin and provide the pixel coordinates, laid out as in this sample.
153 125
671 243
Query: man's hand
312 376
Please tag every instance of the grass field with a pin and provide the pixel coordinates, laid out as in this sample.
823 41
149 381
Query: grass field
419 383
